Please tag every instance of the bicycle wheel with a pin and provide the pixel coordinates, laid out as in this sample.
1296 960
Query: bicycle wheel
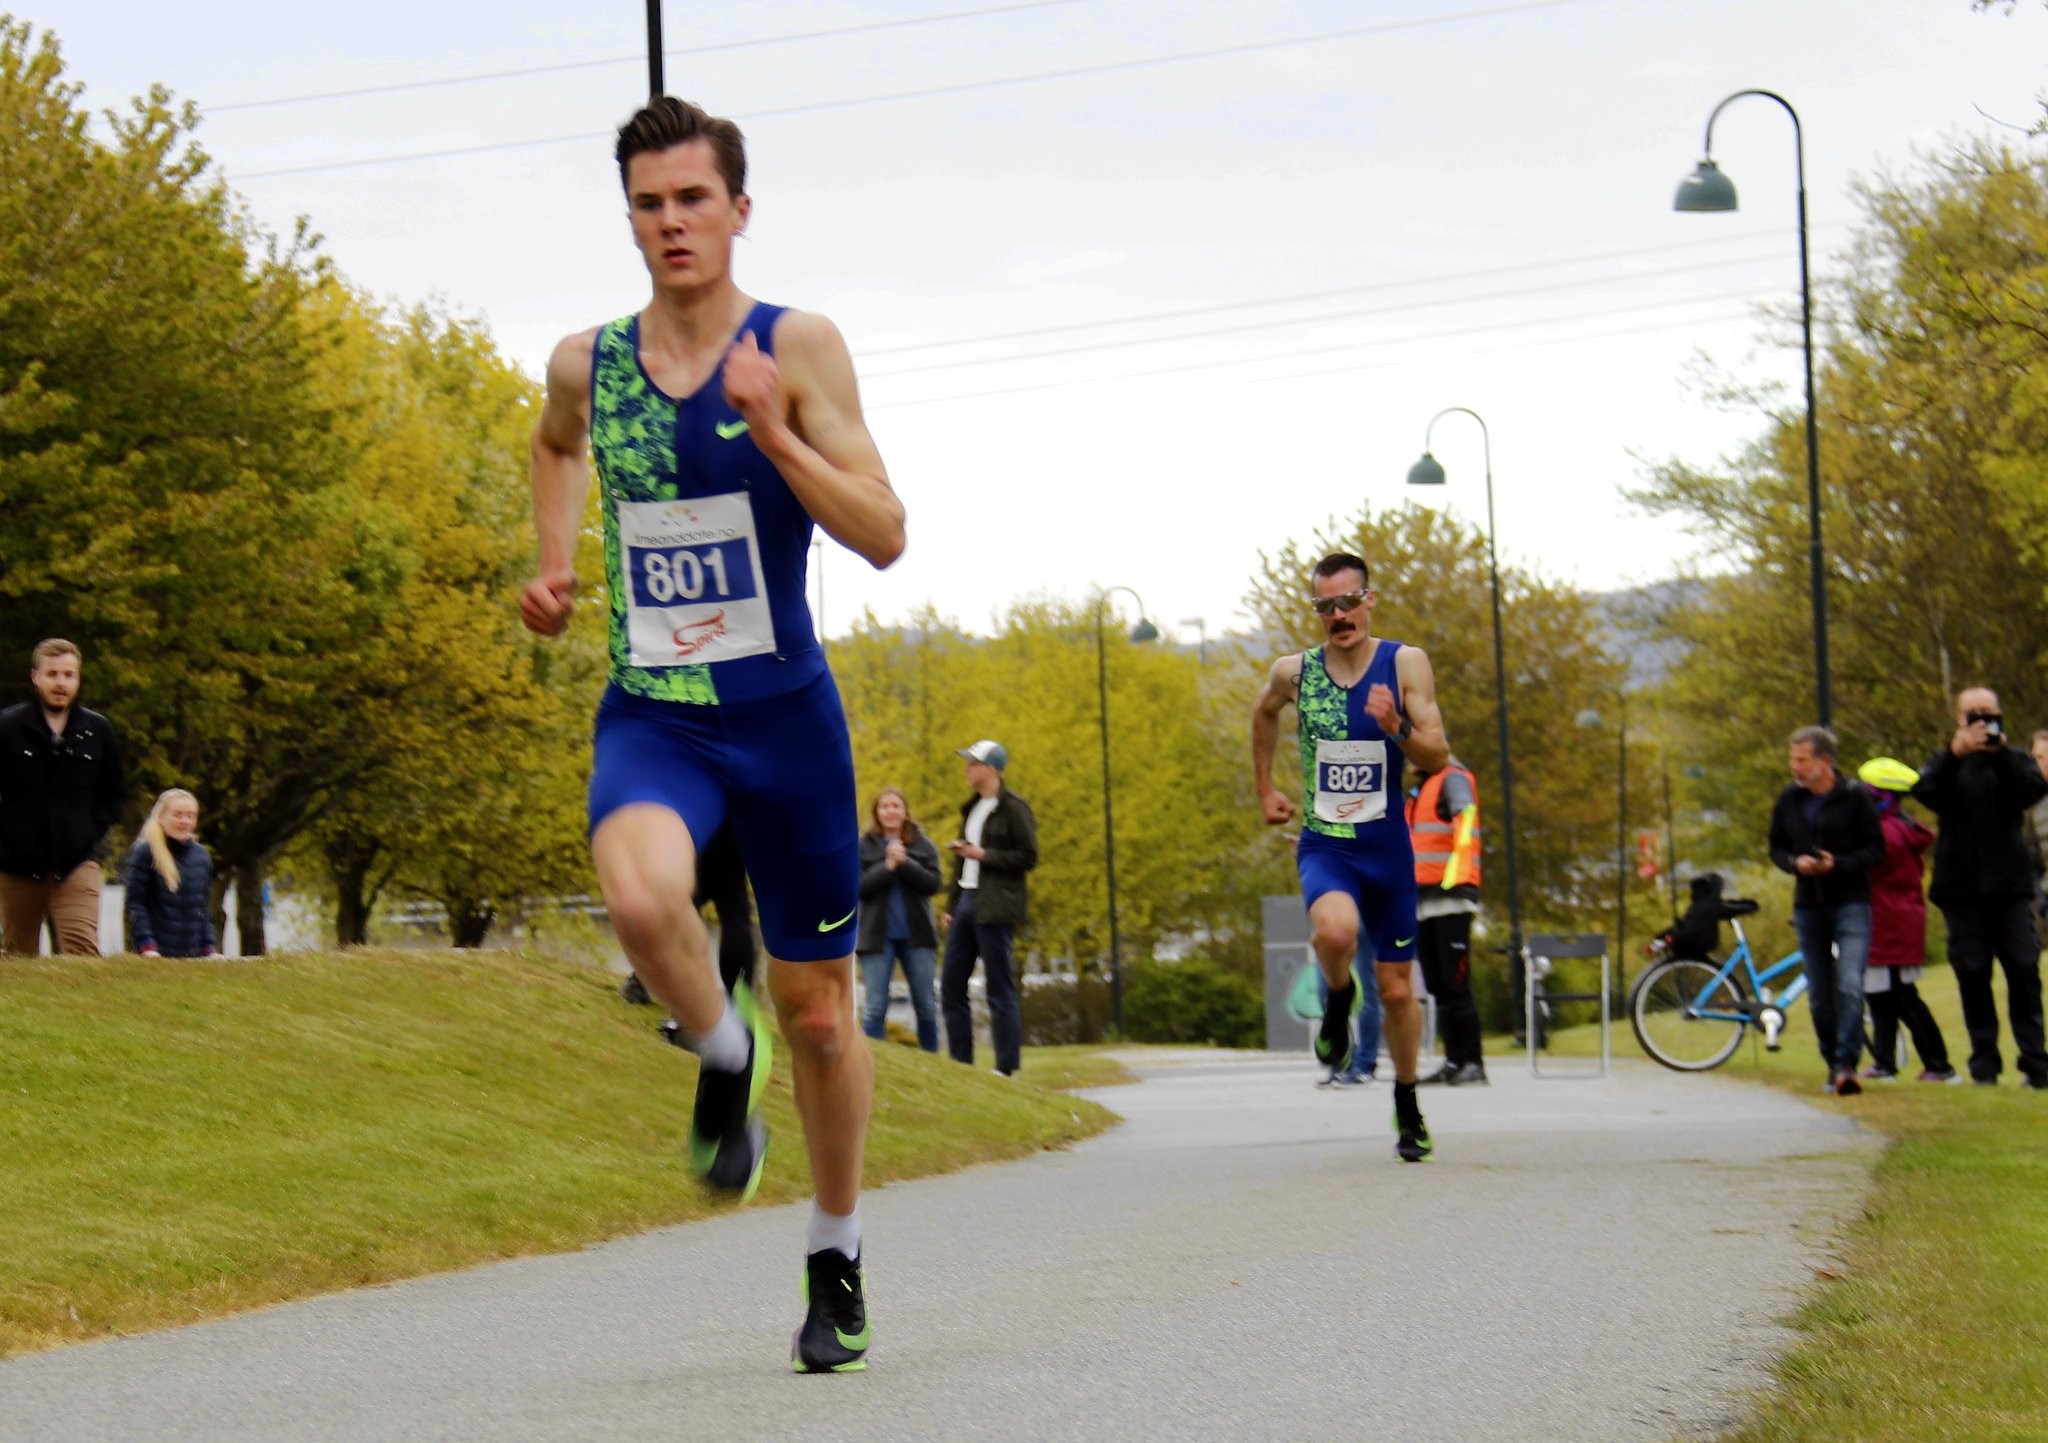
1665 1014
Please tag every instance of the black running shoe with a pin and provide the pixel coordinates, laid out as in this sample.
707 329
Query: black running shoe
1333 1038
728 1140
834 1337
1412 1142
1447 1073
1469 1074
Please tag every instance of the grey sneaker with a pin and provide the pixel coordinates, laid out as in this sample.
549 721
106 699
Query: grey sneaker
1469 1073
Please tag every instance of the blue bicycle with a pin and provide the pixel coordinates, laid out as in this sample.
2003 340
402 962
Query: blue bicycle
1690 1013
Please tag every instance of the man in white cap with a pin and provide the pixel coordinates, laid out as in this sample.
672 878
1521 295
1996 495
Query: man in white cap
997 846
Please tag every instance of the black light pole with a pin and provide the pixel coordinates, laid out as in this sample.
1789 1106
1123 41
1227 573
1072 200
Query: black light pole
1430 472
1707 189
1143 631
654 85
1591 719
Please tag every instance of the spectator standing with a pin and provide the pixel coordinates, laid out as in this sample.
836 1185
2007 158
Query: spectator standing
1898 932
986 904
1443 821
1980 791
1824 830
899 872
61 791
170 883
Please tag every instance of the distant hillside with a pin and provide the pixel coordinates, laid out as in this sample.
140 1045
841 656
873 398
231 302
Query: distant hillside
1629 621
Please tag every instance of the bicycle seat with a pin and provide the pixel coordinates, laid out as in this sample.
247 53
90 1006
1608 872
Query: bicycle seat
1737 906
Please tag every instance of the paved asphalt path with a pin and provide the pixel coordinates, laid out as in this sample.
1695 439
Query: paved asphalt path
1242 1259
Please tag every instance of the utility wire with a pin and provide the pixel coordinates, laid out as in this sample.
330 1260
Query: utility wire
810 107
636 59
1752 294
1424 303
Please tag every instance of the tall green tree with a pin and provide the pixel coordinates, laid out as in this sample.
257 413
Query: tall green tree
1933 413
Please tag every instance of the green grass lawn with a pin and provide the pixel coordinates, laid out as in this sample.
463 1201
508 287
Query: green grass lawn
1935 1325
186 1139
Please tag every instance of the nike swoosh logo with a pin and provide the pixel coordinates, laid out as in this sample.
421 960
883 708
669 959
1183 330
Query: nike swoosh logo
854 1340
1403 942
835 926
729 429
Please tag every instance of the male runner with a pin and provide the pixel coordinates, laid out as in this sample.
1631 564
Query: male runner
723 428
1365 706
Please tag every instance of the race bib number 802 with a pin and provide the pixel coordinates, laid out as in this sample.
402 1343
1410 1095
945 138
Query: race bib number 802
1351 781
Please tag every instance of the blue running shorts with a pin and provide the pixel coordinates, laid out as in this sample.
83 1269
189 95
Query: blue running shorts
778 771
1378 874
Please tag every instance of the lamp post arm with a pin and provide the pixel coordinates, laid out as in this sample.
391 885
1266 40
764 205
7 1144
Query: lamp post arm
1500 683
1816 560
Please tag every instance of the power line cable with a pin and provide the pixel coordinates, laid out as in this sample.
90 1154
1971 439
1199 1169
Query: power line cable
1424 303
636 59
810 107
1262 302
1194 366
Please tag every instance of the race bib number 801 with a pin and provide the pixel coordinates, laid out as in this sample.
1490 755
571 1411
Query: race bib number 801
693 581
1351 781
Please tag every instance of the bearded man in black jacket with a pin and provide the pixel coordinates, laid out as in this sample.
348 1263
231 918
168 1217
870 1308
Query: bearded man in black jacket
61 790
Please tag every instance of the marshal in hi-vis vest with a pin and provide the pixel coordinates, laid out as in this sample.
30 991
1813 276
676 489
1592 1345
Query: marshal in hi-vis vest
1438 842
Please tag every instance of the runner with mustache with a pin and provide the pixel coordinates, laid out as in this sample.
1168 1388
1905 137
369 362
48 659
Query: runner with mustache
724 430
1366 706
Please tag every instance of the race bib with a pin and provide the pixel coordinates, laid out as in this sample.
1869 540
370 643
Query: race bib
693 581
1351 781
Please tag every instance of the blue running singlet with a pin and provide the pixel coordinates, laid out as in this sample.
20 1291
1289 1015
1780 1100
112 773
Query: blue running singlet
720 707
1354 834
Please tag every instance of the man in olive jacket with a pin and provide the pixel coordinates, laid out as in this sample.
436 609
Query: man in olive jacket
985 906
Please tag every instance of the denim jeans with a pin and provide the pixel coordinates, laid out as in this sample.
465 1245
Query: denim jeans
1836 945
919 963
1365 1043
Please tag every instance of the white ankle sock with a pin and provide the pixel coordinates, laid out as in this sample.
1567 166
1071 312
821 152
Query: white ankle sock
724 1048
827 1231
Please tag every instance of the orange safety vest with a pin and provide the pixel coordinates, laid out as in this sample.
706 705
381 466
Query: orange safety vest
1434 837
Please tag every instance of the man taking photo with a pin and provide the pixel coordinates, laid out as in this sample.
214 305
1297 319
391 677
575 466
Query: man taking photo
1980 789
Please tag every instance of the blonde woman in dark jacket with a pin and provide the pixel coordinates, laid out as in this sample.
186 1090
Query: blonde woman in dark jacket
899 872
170 883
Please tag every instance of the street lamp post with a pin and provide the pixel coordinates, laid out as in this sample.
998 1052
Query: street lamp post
1591 719
1143 631
1707 189
654 85
1430 472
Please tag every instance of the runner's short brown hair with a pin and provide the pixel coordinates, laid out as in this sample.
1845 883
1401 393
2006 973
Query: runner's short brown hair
55 646
666 122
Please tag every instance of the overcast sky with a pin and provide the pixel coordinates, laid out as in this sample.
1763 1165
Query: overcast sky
1249 277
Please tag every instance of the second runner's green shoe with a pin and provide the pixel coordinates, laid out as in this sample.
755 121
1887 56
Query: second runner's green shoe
728 1140
834 1337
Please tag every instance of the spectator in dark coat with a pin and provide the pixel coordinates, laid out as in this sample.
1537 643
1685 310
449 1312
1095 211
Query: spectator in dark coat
997 846
61 790
1979 789
1898 932
899 872
170 883
1824 830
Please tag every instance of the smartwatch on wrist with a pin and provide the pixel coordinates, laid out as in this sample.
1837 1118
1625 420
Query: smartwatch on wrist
1406 729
